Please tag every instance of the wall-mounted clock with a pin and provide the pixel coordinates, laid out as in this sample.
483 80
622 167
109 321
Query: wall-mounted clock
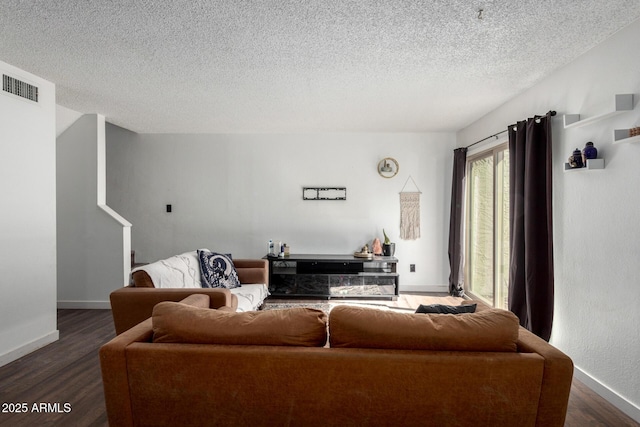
388 167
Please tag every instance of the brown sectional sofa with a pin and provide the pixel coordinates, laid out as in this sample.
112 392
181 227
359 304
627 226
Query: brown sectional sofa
382 368
132 304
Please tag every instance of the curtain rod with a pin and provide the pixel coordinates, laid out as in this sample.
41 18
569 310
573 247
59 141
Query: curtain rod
551 113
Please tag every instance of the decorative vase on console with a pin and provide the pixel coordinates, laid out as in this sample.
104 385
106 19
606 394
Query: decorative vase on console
589 152
388 249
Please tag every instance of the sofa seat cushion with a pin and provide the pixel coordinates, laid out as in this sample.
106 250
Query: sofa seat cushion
180 323
361 327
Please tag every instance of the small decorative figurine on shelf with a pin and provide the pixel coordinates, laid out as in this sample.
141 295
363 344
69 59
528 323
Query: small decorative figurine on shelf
589 152
364 253
376 247
575 160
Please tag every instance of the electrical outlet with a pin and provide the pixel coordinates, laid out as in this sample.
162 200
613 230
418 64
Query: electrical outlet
169 208
412 268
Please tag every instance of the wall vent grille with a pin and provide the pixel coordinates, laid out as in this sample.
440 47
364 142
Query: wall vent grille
19 88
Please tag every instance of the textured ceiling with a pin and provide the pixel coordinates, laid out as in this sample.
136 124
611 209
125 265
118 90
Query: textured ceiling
298 66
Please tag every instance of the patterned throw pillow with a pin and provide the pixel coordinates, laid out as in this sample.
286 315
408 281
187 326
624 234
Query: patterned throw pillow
446 309
217 270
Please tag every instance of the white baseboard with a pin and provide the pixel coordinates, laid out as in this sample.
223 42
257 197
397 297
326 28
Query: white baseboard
607 394
29 347
83 305
424 288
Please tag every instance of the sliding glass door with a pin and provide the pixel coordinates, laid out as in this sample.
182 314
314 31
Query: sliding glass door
487 226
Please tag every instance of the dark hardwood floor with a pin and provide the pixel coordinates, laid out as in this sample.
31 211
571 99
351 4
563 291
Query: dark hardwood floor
68 372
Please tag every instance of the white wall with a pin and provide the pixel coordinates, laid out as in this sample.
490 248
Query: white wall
65 117
233 193
596 223
27 219
93 241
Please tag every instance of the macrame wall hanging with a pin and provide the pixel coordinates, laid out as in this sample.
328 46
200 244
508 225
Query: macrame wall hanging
410 212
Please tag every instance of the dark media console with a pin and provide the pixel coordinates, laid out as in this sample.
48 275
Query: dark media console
333 276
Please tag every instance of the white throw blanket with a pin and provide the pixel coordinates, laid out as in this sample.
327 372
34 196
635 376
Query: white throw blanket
183 271
250 296
179 271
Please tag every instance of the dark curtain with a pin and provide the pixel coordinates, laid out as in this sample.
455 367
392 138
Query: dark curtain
456 287
531 240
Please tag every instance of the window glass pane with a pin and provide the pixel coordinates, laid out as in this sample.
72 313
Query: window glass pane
480 227
502 229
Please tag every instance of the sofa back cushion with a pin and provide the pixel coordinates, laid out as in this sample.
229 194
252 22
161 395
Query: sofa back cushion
180 323
358 327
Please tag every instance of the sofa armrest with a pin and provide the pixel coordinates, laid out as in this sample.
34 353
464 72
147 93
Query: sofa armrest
115 378
252 270
131 305
113 363
141 279
556 379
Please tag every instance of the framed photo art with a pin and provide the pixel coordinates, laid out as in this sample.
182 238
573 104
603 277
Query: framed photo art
324 193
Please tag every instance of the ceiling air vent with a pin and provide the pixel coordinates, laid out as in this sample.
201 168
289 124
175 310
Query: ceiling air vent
19 88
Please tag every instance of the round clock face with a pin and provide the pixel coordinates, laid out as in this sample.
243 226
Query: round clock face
388 167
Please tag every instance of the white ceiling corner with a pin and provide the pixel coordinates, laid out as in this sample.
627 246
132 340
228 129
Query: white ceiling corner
226 66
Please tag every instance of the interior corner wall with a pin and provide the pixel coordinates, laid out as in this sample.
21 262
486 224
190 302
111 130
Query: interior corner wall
27 219
65 117
232 193
91 252
596 226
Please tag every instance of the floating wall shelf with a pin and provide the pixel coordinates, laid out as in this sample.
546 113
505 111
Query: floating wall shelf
621 136
591 165
623 102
